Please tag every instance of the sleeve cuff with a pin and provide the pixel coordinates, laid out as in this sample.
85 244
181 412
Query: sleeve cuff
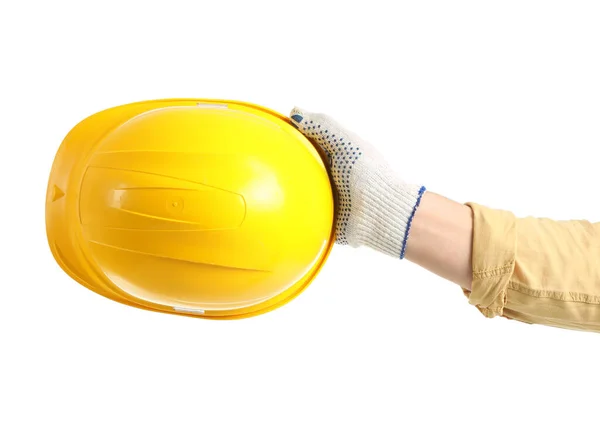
493 259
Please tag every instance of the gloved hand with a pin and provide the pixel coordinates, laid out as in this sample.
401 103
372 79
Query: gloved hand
375 207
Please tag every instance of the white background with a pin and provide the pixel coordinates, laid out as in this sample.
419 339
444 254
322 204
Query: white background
493 102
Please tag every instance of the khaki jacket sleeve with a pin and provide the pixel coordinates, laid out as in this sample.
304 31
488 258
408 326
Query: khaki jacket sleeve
536 270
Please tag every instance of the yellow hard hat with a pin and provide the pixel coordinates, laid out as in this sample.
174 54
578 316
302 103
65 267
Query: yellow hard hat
214 209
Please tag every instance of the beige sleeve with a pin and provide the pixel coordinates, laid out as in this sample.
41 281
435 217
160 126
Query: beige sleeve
536 270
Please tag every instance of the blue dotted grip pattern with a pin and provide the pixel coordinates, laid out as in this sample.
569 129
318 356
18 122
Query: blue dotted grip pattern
342 156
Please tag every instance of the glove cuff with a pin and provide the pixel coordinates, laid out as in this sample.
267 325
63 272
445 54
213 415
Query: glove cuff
383 219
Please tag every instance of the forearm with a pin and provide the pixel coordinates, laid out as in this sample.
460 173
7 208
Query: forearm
441 238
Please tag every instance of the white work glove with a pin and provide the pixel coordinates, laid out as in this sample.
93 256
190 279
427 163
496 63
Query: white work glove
375 207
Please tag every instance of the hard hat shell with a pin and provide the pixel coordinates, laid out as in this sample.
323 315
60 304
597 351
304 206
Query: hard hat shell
206 208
